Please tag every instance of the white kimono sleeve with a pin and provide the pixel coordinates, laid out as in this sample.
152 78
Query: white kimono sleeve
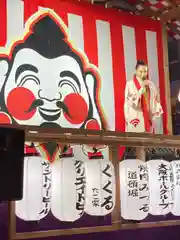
131 101
157 110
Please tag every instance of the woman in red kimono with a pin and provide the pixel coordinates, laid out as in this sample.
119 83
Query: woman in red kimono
142 105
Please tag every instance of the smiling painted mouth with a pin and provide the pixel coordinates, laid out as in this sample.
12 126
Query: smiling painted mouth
50 114
49 110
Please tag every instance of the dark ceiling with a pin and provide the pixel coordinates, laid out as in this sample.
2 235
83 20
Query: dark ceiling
166 11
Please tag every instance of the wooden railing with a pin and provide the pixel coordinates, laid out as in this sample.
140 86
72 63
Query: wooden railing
113 140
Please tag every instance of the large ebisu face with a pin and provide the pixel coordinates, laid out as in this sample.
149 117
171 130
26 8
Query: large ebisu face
49 86
52 82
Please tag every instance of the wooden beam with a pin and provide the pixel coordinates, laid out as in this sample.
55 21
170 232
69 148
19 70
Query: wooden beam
62 232
109 138
81 136
11 221
141 153
170 15
147 12
151 224
173 2
167 78
116 214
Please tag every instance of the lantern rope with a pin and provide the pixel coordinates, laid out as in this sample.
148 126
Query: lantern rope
95 150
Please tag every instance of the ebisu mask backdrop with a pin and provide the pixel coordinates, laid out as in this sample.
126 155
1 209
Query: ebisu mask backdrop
76 54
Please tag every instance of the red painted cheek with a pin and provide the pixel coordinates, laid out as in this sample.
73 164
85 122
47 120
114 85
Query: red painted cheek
93 125
77 108
4 118
19 101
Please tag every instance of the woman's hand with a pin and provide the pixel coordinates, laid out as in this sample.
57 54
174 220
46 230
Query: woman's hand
146 83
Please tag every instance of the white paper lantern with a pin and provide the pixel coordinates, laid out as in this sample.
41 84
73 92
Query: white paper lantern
37 185
79 152
160 186
68 191
134 189
175 210
100 187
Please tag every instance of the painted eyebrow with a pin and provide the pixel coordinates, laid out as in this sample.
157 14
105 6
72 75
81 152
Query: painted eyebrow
71 75
25 67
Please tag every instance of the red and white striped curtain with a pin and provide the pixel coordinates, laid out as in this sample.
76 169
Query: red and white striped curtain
112 41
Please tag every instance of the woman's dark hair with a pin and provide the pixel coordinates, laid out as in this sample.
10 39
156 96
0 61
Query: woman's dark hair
140 63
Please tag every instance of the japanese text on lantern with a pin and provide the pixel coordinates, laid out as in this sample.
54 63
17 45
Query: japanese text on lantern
143 188
164 178
107 194
96 197
46 187
80 186
132 183
177 180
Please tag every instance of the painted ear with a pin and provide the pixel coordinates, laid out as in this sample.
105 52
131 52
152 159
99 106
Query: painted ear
91 88
4 66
